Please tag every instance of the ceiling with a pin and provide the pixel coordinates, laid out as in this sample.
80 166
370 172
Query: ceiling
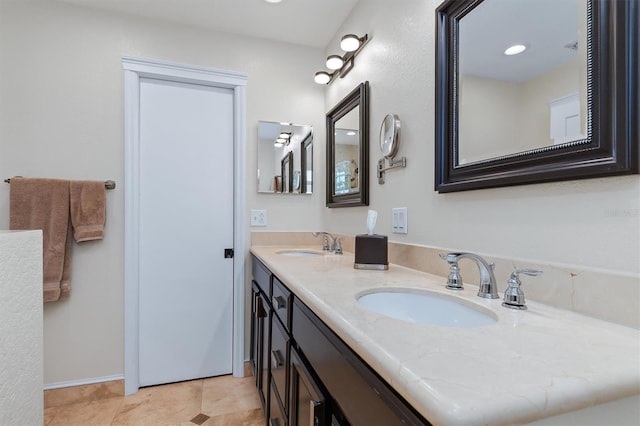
306 22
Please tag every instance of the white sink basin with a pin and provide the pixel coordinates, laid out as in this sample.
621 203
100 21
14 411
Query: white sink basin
301 253
425 307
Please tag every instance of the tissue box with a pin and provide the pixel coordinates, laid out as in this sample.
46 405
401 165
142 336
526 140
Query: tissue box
371 252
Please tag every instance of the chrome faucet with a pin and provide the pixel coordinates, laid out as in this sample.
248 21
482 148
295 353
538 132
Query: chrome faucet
488 287
336 242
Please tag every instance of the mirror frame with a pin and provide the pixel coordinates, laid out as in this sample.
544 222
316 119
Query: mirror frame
359 97
611 146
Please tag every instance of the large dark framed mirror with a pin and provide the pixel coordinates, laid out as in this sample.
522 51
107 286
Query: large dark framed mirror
565 108
348 150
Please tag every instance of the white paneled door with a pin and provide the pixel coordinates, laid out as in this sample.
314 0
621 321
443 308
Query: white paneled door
185 224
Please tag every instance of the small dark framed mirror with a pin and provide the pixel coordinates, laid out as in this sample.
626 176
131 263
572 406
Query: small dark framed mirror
565 108
348 150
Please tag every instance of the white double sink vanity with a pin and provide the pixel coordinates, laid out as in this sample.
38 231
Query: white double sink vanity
457 359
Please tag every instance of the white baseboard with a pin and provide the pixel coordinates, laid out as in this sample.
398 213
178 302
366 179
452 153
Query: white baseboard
91 381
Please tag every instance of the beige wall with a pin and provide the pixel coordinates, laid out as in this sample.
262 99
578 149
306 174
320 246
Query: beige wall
590 223
61 115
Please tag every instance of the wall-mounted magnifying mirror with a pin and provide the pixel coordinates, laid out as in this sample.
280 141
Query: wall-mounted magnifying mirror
348 150
285 158
390 136
389 143
534 91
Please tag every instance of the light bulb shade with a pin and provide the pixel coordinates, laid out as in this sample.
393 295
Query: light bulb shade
284 136
335 62
350 42
322 77
278 144
281 140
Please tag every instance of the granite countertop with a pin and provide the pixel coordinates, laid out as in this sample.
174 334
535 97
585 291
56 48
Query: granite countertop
529 365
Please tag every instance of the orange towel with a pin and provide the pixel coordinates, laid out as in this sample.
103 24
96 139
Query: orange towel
88 209
44 204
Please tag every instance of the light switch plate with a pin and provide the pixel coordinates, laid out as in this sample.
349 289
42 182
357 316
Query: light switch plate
399 220
258 217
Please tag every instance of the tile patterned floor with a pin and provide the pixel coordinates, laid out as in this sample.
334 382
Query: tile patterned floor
218 401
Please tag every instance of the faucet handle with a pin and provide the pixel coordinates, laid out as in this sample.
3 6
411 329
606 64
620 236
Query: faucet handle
513 295
454 279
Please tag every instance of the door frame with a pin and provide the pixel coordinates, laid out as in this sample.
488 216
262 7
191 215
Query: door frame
134 70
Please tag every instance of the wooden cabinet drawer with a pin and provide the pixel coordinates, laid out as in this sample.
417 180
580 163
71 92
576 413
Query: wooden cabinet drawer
281 302
280 360
262 276
277 415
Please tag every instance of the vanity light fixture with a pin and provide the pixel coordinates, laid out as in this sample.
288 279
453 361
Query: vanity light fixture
341 65
284 135
515 49
279 143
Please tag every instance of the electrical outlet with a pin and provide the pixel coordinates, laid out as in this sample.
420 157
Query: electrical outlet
258 217
399 220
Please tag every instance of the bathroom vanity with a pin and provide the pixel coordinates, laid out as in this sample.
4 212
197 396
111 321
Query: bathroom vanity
305 373
321 357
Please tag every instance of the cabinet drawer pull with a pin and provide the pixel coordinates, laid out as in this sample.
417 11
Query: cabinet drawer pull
316 411
278 302
276 359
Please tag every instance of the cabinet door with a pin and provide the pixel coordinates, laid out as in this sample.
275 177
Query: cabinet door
265 348
259 343
279 360
308 403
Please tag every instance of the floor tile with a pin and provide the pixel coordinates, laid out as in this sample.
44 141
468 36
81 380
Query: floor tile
84 393
228 394
253 417
173 404
96 413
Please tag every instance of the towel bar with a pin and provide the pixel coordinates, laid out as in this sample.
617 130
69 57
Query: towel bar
108 184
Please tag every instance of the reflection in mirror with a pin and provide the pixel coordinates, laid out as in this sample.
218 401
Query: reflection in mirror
533 99
306 176
348 150
286 171
295 148
574 118
347 153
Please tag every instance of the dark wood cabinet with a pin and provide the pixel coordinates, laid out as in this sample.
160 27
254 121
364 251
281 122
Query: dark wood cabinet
306 374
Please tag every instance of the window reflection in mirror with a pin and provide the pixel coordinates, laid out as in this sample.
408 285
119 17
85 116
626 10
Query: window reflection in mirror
296 152
347 153
515 103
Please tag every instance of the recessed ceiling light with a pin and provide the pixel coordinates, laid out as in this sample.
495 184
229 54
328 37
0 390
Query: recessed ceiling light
351 133
273 1
515 49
